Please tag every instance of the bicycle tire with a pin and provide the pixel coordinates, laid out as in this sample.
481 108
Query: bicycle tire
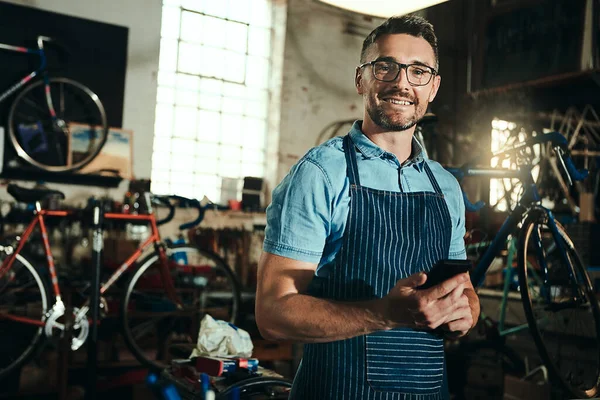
252 387
550 323
18 301
43 141
148 317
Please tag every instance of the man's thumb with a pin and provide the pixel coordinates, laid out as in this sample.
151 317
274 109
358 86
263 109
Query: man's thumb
416 280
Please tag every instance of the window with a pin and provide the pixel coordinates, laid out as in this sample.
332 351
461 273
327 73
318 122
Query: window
213 96
504 193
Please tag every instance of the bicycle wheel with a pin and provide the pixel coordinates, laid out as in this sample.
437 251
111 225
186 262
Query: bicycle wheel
561 307
152 321
64 142
22 295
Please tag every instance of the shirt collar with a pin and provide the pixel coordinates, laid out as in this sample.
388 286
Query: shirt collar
371 150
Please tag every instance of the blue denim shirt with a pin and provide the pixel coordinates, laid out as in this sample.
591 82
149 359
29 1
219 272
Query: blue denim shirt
307 216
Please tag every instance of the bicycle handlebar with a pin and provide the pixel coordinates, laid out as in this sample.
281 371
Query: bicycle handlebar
559 145
164 200
182 202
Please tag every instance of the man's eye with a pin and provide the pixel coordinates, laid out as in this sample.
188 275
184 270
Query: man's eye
418 71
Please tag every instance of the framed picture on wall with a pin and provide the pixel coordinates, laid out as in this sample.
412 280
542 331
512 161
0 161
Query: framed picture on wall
116 155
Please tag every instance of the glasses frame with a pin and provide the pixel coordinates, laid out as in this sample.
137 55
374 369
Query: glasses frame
401 67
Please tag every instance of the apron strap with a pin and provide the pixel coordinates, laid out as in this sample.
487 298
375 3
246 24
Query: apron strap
432 179
351 164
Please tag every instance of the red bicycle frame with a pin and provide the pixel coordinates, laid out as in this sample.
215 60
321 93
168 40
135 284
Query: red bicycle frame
39 219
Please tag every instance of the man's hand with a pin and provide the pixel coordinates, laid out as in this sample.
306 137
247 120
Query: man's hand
426 308
460 321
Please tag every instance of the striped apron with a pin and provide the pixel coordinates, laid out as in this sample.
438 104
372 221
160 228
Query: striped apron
388 236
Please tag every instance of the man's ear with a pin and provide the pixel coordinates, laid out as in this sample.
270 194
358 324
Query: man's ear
437 80
358 81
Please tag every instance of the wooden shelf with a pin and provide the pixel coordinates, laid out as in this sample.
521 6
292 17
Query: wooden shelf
61 177
572 78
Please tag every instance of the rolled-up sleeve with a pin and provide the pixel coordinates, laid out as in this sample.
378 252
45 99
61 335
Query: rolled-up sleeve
457 212
299 216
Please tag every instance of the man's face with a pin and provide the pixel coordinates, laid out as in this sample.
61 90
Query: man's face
396 105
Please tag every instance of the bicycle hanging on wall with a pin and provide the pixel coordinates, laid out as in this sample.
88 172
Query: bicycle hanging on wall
40 115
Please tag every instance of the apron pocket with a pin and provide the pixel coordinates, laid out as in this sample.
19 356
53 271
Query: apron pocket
404 360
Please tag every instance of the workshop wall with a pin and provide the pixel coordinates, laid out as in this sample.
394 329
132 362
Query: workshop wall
320 58
143 18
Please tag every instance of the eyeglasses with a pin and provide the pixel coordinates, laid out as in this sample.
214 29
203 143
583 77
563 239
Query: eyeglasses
388 71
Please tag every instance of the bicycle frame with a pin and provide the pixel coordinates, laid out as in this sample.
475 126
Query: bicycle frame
39 219
41 69
529 201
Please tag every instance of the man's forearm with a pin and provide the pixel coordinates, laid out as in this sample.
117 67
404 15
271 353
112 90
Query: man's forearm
307 319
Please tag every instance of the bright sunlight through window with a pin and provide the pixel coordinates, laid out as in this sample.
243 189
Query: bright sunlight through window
504 193
213 95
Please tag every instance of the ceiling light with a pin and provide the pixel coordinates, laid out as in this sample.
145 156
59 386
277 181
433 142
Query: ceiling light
382 8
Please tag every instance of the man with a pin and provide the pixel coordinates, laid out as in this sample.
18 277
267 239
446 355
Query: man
350 231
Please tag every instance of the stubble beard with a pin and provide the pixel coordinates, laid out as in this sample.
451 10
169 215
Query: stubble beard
381 119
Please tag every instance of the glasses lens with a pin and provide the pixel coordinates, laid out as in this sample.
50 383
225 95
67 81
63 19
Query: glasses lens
418 75
385 71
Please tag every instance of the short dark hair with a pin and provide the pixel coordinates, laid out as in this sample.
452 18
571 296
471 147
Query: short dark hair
410 24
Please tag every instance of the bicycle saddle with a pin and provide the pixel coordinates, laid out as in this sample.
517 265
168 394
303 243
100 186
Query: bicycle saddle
31 195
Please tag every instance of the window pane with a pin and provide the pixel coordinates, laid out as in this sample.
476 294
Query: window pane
210 102
191 24
254 133
260 40
230 168
168 55
236 37
240 10
170 22
209 125
253 169
160 187
190 58
165 95
166 78
163 124
209 150
186 98
256 108
185 122
211 86
162 144
233 106
160 175
216 8
213 31
183 162
161 159
188 82
256 156
235 67
234 90
257 72
261 13
206 165
231 131
230 153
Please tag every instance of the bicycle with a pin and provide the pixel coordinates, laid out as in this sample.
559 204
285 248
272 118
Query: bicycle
40 116
555 288
170 289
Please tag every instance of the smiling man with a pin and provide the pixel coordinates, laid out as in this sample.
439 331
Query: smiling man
353 229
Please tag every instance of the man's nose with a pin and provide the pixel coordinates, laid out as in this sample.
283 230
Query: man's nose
401 80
